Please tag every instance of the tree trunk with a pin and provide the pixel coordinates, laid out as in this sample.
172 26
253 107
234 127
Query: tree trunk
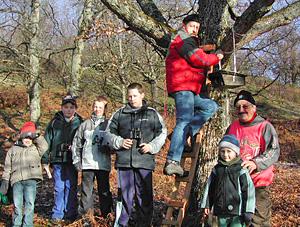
208 155
124 94
34 87
84 25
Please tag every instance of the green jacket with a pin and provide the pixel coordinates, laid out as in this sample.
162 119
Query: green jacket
59 135
24 163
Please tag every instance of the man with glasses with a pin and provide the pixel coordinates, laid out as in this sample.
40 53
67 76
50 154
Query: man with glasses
259 151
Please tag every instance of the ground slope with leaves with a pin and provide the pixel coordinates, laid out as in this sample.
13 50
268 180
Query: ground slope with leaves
285 190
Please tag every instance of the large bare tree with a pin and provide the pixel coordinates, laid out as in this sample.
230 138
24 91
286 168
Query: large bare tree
223 22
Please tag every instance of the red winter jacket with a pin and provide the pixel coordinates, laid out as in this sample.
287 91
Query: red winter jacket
186 64
259 143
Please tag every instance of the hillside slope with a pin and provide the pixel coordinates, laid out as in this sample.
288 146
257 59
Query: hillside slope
282 110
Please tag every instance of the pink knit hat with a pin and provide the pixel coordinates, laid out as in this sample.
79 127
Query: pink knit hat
28 129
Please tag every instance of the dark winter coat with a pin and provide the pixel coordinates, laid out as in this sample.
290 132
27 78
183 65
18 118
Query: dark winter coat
152 131
229 190
59 135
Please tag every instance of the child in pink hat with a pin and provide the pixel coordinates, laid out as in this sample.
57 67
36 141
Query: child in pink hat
22 171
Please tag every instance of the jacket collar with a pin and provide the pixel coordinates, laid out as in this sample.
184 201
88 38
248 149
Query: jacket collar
129 109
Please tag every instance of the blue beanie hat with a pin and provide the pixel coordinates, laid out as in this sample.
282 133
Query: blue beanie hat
231 142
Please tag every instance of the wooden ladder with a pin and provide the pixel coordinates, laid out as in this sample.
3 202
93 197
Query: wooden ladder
175 202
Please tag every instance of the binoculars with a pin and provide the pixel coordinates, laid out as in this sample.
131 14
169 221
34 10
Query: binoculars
64 147
137 135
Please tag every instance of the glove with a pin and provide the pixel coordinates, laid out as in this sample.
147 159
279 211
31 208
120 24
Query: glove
247 217
78 166
3 199
216 79
4 187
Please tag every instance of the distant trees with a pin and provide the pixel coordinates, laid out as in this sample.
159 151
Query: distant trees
86 48
20 47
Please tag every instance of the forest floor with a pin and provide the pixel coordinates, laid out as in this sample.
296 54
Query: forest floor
285 191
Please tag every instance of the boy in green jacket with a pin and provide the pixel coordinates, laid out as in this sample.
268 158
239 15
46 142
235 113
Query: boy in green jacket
59 135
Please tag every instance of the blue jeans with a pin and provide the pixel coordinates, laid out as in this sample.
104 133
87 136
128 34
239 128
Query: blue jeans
24 190
65 191
192 111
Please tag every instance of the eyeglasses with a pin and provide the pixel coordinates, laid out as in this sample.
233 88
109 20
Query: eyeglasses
245 107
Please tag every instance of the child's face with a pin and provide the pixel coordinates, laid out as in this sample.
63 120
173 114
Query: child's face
27 141
135 98
68 110
227 154
99 108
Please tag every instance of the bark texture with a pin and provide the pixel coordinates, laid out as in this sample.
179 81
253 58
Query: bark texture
34 67
85 23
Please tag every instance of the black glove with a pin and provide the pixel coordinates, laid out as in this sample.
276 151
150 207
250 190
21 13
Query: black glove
78 166
3 199
4 186
247 217
216 79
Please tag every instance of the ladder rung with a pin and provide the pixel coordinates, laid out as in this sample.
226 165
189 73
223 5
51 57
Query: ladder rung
184 178
175 203
189 154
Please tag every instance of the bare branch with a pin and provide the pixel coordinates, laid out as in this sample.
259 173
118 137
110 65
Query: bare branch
155 33
251 23
149 8
267 23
